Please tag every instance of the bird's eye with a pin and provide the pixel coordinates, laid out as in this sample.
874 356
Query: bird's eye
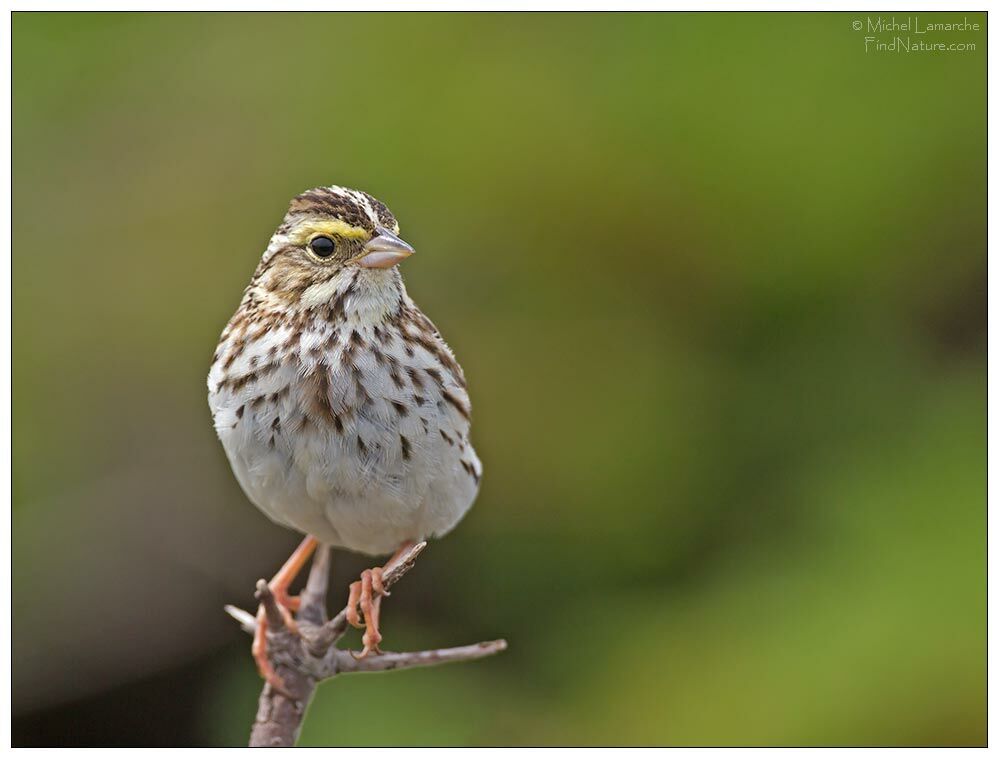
322 247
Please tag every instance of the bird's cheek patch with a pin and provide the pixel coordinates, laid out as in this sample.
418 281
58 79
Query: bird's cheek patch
321 293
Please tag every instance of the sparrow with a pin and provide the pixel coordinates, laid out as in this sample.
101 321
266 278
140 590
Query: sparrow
342 411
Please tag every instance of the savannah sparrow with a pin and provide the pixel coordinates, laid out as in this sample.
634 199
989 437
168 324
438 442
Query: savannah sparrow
343 412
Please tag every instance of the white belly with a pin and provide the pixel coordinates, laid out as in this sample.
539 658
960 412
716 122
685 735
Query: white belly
394 464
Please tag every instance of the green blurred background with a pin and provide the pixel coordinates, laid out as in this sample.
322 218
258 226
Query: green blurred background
717 283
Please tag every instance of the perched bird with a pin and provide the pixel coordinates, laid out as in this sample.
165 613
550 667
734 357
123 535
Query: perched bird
342 411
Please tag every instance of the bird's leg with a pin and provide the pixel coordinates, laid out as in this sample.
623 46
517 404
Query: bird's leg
279 585
366 596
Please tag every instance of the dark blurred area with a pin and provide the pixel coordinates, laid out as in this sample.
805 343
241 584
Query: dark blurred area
717 282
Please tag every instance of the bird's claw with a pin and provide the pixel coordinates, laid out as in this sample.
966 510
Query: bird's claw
366 651
275 593
259 650
363 608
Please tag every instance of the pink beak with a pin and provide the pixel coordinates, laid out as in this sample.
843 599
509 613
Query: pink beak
384 250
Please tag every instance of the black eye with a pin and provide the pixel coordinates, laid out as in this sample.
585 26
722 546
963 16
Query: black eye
322 247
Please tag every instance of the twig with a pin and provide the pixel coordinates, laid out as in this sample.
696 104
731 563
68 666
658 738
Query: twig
304 658
246 620
313 608
388 660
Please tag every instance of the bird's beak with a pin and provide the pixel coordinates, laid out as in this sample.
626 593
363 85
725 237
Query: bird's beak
384 250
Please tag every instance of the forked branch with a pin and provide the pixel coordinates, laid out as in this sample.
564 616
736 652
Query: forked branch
305 657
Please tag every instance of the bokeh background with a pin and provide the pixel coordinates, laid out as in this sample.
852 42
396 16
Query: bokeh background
718 285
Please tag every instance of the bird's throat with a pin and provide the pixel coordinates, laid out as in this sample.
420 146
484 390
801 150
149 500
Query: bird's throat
364 297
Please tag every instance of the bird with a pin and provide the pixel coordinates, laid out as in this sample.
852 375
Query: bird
342 412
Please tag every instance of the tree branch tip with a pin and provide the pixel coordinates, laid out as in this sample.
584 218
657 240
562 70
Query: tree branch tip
410 556
266 597
390 660
246 620
403 564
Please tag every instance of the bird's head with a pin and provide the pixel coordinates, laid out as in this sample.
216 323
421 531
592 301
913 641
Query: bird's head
329 235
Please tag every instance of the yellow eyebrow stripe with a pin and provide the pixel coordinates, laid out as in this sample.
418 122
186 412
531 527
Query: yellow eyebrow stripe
332 227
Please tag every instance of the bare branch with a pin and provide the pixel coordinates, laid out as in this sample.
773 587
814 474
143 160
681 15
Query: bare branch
346 662
274 618
308 655
403 564
246 620
313 608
